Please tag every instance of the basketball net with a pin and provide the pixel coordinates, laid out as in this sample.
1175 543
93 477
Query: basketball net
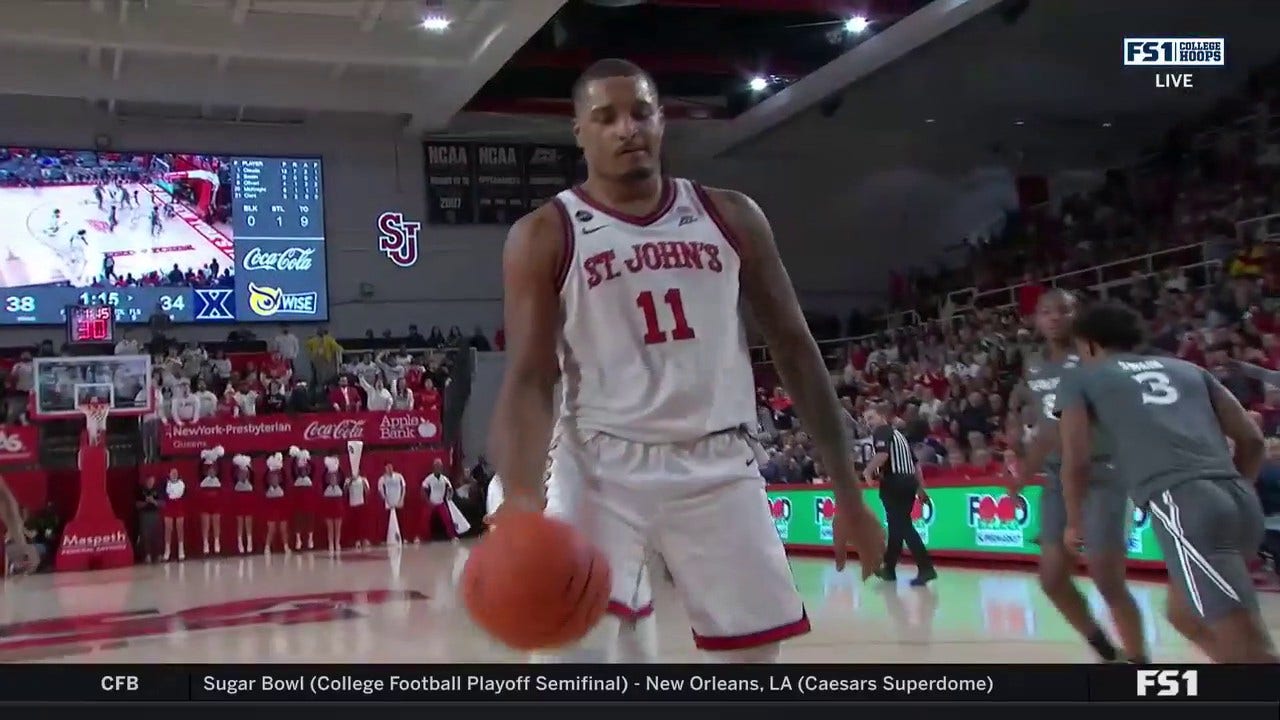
95 417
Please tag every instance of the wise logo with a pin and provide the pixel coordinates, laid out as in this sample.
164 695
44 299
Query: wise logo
266 301
780 510
1141 520
998 521
824 513
922 517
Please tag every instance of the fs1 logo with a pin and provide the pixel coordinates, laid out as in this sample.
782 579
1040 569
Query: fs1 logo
398 238
1165 52
780 510
1141 521
998 522
1168 683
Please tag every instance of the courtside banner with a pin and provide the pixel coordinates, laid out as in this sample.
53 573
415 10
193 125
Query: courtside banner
310 431
647 683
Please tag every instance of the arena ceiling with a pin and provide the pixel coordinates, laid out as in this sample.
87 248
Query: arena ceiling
264 60
1037 86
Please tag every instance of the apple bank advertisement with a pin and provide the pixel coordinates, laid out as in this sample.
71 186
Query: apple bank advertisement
200 238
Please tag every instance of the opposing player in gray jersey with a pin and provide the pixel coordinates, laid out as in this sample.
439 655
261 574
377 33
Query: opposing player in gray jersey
1168 422
1106 508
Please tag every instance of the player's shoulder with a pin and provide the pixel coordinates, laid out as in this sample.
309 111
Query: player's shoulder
540 233
733 205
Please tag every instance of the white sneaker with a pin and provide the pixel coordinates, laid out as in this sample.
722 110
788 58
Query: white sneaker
166 556
206 547
182 553
217 547
311 542
240 545
297 542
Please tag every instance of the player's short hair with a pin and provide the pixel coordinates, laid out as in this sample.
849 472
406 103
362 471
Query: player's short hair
1111 326
607 68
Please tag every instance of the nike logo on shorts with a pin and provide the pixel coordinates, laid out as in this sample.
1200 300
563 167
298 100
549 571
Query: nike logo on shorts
588 231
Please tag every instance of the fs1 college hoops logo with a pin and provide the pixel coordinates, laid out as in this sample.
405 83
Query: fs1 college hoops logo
398 238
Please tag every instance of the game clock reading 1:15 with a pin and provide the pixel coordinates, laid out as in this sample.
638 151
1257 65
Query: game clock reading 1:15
277 199
47 305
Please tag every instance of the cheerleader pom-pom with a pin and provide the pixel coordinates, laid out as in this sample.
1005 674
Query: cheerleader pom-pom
331 464
241 461
275 462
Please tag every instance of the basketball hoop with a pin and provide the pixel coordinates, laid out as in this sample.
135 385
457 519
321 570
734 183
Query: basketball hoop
95 417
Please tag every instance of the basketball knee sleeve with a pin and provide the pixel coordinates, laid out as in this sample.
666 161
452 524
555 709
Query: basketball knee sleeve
600 645
767 653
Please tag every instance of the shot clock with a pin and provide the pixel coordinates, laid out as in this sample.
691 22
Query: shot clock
90 324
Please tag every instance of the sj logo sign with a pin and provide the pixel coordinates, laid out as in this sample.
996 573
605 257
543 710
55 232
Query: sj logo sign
398 238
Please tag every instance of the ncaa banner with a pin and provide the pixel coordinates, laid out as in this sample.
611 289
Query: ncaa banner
500 189
312 431
450 196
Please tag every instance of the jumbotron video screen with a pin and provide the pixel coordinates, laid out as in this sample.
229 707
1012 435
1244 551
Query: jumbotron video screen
201 238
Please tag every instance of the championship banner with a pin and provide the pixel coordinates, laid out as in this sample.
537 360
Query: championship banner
311 431
845 683
18 443
495 183
450 194
974 521
500 191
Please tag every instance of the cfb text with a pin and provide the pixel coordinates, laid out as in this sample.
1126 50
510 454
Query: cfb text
120 683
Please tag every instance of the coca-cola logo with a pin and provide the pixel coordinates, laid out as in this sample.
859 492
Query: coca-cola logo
341 430
12 444
293 259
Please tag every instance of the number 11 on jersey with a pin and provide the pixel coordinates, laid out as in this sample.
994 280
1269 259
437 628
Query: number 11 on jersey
654 334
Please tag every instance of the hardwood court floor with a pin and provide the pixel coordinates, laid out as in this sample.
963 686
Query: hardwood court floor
400 606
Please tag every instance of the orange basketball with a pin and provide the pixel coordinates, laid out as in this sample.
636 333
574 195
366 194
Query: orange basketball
535 583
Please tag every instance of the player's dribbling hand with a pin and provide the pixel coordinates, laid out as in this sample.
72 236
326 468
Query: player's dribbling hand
858 528
28 558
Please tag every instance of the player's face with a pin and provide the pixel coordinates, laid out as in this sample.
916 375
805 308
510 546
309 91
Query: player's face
619 128
1054 315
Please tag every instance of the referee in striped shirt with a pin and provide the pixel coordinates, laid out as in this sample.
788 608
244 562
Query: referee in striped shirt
900 483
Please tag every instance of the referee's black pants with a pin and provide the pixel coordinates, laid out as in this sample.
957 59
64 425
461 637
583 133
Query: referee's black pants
898 494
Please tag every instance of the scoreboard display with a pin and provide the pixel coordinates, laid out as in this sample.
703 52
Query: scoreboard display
199 238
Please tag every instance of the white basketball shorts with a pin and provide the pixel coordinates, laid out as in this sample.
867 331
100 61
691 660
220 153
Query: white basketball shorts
701 506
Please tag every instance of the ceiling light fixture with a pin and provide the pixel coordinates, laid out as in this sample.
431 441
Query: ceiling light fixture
758 84
856 25
435 23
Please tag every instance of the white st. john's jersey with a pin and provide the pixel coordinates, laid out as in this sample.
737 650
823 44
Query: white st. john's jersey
653 347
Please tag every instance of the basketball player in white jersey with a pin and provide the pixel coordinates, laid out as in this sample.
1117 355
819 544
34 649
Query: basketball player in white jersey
18 549
630 285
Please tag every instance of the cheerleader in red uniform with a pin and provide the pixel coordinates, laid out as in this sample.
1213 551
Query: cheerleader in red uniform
333 504
275 505
305 498
175 513
244 502
211 499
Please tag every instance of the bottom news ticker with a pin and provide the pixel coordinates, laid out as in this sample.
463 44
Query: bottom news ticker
651 683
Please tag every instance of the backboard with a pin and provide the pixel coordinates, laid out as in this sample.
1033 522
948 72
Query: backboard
63 383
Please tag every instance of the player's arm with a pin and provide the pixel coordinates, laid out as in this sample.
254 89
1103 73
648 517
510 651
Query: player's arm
767 289
880 439
1073 431
11 513
1046 437
1249 444
521 430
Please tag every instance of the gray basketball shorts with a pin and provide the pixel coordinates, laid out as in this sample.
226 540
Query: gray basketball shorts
1207 529
1105 522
